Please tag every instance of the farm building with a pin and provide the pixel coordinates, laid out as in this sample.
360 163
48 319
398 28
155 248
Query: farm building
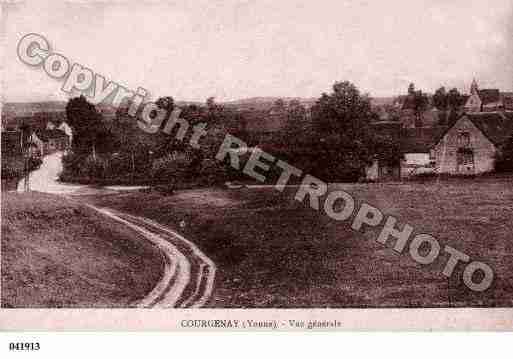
468 146
414 143
49 141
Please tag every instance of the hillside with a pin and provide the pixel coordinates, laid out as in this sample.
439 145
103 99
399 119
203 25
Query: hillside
57 253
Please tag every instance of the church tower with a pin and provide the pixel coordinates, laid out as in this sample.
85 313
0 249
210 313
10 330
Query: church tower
474 88
474 103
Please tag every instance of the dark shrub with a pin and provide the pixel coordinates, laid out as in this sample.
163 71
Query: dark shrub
504 159
170 169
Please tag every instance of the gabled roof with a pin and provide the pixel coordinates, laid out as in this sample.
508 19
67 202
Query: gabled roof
46 135
497 127
489 96
421 140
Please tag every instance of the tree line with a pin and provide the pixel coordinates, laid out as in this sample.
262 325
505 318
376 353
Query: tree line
334 139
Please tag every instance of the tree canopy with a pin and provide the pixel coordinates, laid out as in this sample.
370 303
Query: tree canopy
341 123
448 100
89 131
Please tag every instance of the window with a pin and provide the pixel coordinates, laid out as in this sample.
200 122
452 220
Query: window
464 139
432 158
465 157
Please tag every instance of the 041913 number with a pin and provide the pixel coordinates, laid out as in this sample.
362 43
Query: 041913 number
24 346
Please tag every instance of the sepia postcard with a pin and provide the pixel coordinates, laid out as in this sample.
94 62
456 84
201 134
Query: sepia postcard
257 165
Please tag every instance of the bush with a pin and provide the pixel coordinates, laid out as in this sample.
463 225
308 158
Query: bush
213 172
119 165
170 169
34 163
71 163
84 167
504 159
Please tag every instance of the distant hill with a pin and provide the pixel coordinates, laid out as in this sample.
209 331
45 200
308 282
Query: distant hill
263 103
268 99
24 109
27 108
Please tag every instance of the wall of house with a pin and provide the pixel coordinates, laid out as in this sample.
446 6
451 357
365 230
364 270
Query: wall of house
64 127
473 103
446 151
415 164
55 144
420 159
38 143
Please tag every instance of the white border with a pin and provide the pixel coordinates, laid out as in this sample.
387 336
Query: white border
485 319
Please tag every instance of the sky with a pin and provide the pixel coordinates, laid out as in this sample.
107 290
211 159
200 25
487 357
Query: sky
238 49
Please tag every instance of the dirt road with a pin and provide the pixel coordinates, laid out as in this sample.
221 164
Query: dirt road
188 277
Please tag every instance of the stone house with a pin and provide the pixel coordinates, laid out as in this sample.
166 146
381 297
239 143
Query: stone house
471 144
467 146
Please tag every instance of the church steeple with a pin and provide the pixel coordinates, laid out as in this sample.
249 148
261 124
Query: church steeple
474 88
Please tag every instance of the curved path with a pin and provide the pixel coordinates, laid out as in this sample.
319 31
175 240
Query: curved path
188 277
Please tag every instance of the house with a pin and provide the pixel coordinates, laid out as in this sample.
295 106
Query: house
487 100
64 127
467 146
49 141
415 145
470 145
462 144
36 145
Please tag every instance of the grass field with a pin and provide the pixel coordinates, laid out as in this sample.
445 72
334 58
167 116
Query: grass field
57 253
272 251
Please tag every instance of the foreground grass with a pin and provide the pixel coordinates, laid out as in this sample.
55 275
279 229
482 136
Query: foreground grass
275 252
57 253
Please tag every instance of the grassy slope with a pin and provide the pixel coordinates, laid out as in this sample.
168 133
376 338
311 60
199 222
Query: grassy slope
274 252
56 253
